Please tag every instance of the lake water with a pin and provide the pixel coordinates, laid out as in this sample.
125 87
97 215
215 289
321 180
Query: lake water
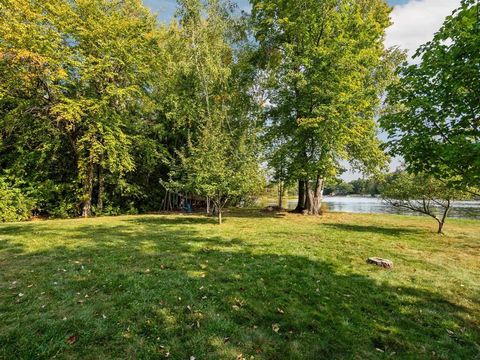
354 204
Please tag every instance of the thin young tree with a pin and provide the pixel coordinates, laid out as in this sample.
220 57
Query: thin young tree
422 194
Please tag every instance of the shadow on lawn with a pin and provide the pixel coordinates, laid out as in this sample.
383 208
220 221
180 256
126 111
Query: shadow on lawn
383 230
166 289
253 213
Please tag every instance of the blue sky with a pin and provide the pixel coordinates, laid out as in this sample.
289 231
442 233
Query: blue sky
415 21
165 8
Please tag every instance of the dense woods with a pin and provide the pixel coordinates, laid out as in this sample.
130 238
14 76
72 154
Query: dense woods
105 110
101 107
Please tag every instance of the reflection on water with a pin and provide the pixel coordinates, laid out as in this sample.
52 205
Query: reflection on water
461 209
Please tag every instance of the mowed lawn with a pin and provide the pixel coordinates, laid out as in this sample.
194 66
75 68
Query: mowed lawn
261 286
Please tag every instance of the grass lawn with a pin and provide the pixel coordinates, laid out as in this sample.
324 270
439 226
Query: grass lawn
261 286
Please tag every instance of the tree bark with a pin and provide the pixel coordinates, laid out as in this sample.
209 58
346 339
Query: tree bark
208 205
440 227
87 192
441 222
315 197
280 195
301 197
219 216
101 189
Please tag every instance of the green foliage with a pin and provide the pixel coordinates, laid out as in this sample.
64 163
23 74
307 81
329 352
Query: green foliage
14 205
80 122
370 186
432 120
100 104
338 187
220 159
423 194
325 71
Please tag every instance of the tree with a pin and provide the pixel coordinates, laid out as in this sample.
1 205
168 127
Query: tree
422 194
325 71
220 159
220 168
77 82
433 119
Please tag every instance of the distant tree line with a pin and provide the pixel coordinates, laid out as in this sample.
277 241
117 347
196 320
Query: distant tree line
370 187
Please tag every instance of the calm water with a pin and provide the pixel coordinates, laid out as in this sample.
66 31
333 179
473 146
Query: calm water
461 209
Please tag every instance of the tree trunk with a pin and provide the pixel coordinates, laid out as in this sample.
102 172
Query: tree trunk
219 216
441 222
208 205
280 195
87 192
440 227
307 197
315 196
101 189
301 197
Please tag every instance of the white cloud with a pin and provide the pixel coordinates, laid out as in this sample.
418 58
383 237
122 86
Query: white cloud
415 22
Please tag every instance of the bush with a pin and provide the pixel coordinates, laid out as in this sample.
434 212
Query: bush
14 205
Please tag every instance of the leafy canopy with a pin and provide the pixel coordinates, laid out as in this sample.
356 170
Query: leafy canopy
433 120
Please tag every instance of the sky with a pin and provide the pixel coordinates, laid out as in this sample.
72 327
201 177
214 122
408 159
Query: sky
414 23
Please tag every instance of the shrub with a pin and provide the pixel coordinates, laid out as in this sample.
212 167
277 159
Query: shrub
14 205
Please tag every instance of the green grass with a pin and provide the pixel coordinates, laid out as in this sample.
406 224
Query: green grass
260 286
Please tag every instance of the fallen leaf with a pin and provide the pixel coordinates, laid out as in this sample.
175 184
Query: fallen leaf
280 311
276 327
72 340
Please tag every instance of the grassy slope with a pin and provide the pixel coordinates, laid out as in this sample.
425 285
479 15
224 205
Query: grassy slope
181 286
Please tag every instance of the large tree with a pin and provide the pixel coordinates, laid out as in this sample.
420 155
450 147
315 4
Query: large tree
220 159
76 85
433 120
325 68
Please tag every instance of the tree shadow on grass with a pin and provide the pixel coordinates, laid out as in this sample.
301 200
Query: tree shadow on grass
179 219
383 230
253 213
131 292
